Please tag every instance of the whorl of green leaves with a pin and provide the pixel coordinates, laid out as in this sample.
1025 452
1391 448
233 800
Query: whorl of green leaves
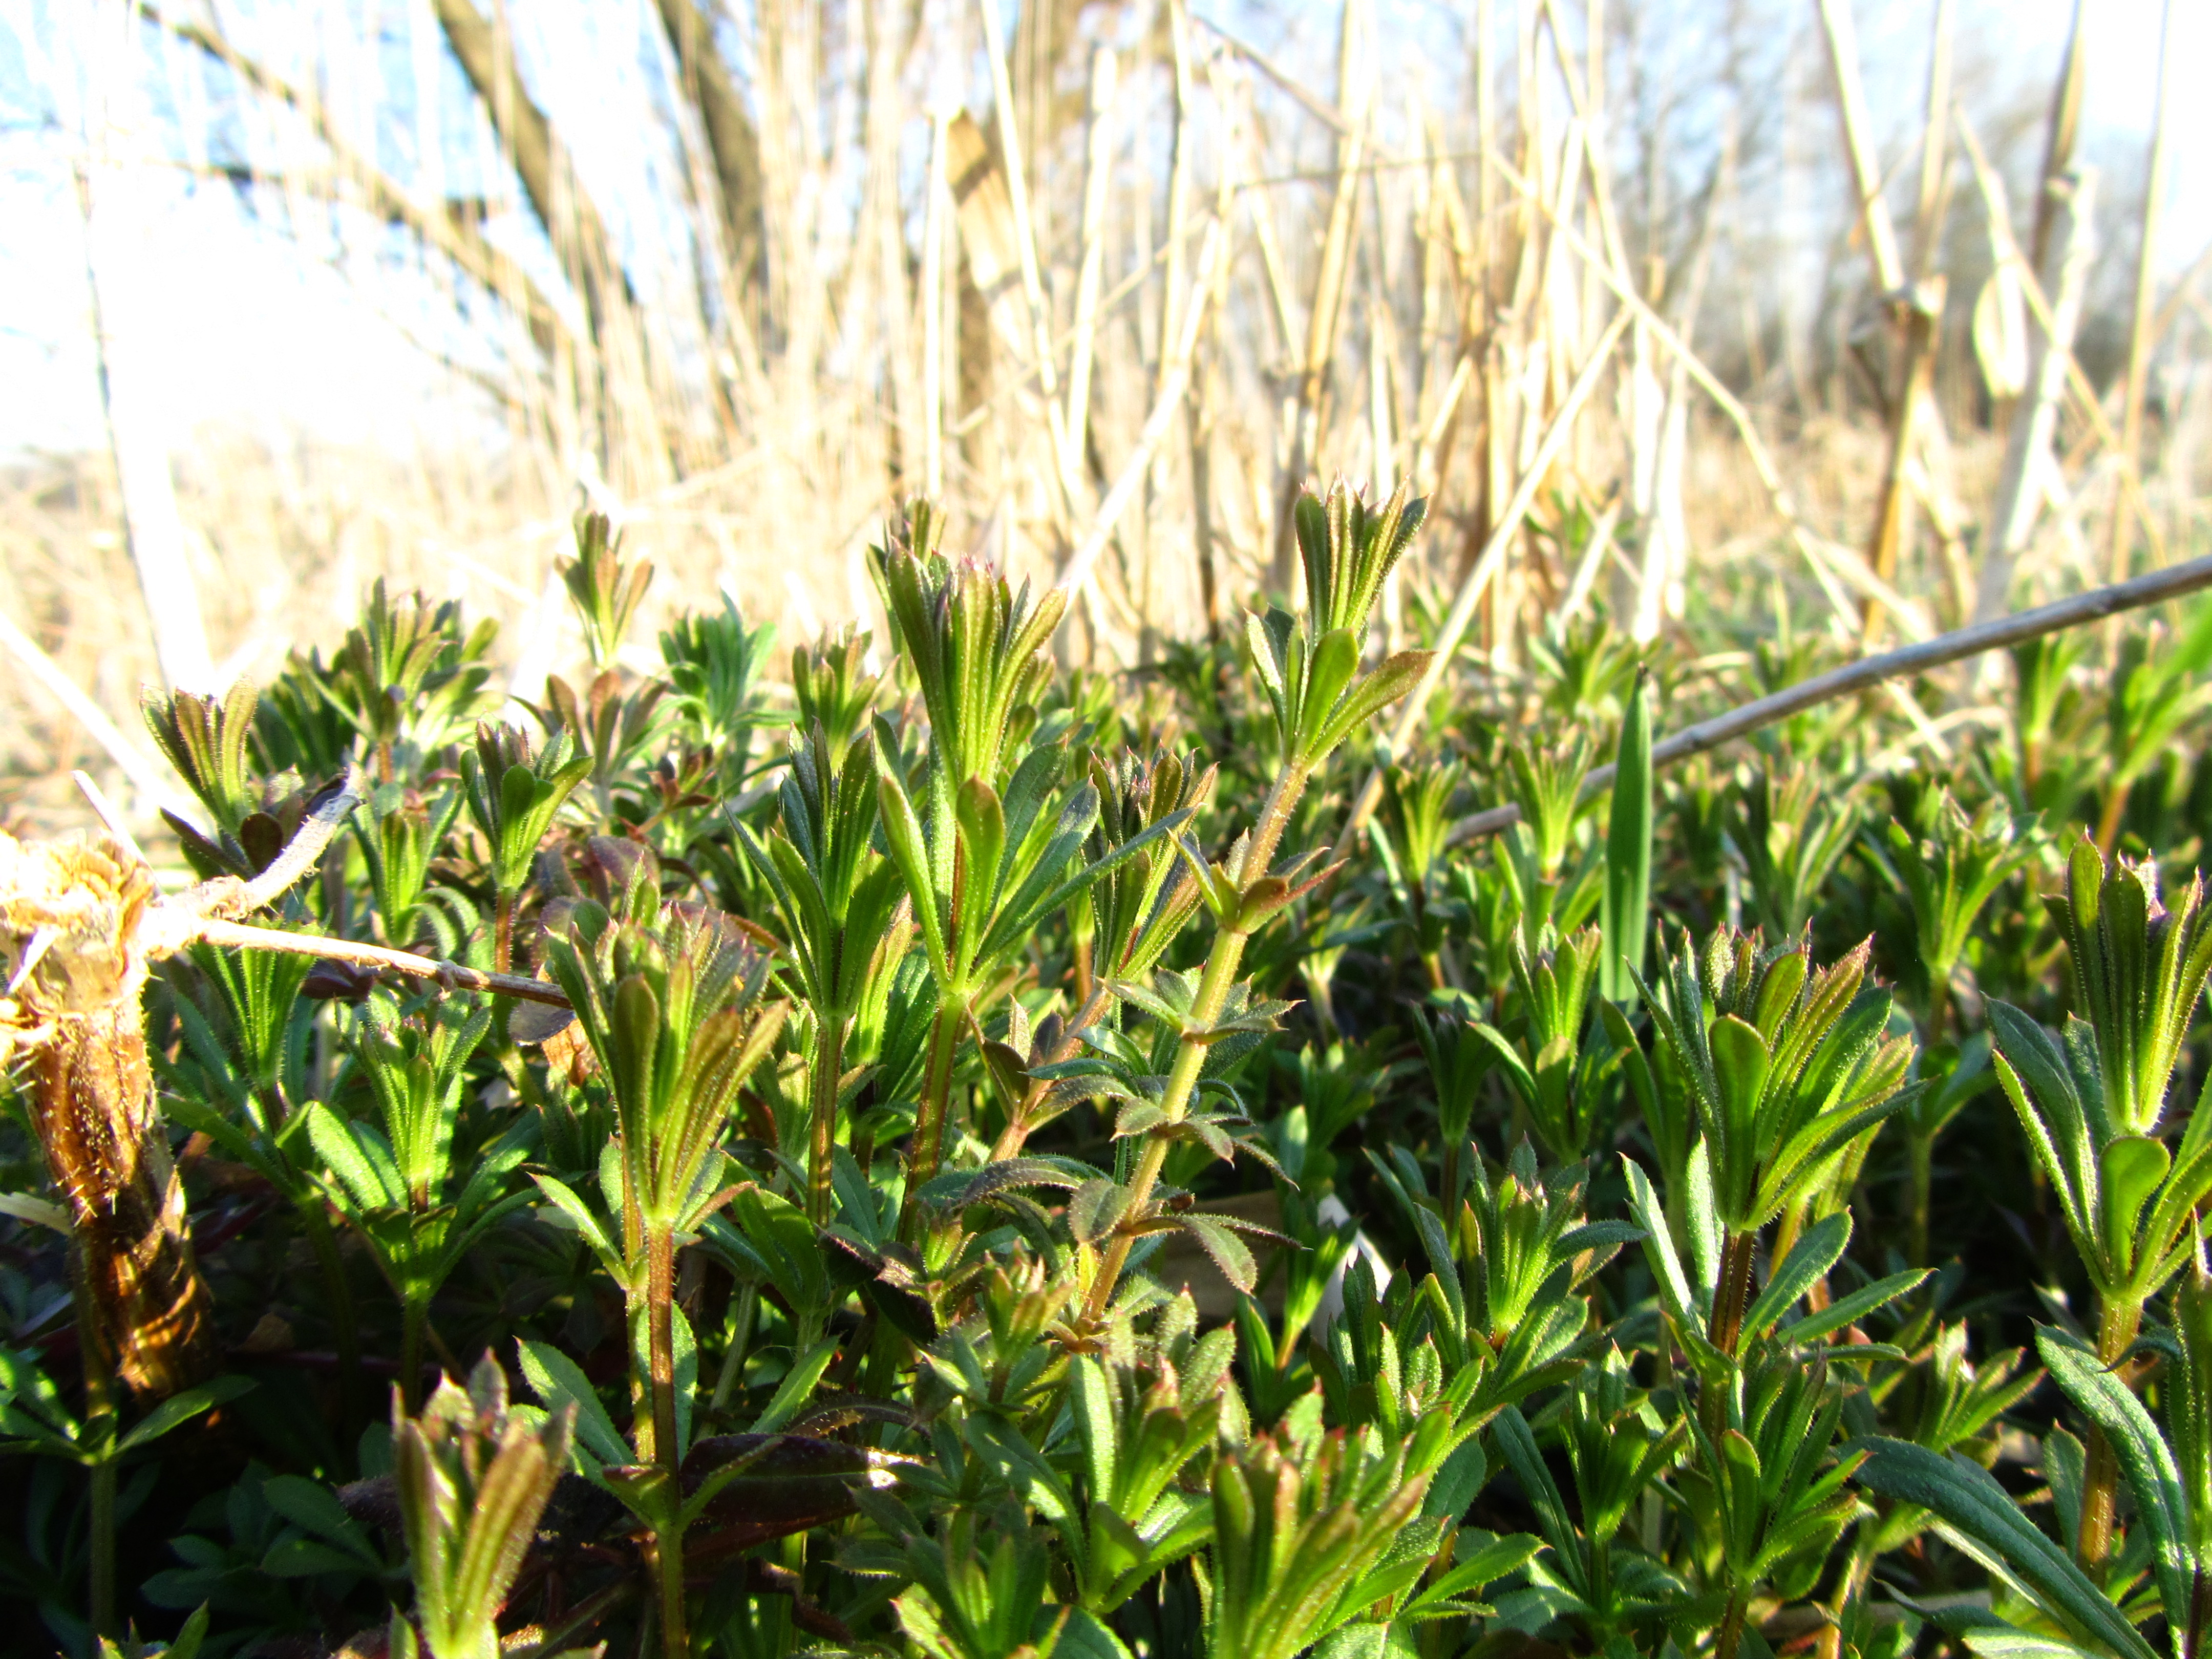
605 587
714 662
206 738
833 890
977 646
1950 874
1139 904
406 671
415 1069
1310 666
668 997
1547 785
473 1479
1789 1065
2138 968
513 794
1299 1523
831 683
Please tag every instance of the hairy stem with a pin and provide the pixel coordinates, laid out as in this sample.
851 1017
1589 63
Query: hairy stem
502 939
2118 1319
414 1317
1734 1296
829 1060
660 1344
1219 973
346 1326
936 1092
1731 1631
1921 1143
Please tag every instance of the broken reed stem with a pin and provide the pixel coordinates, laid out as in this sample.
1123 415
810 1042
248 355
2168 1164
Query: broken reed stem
2154 588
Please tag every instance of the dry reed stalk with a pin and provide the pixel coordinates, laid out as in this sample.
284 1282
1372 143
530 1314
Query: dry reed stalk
1779 499
1934 149
154 530
1922 312
1097 177
2139 321
1414 707
2028 459
1065 465
1131 478
2060 131
146 775
931 302
1331 283
1841 36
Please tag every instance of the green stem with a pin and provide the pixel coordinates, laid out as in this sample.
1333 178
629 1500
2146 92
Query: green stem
2119 1320
936 1093
829 1061
414 1317
1731 1631
660 1328
102 1574
346 1326
503 937
1922 1146
1220 973
733 1362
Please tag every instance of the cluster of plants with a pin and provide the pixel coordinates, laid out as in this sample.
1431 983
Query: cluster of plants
962 1156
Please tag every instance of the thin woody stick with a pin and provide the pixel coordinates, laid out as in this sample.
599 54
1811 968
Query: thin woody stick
1868 672
451 974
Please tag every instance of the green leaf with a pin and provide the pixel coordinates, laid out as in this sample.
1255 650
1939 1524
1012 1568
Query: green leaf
2154 1480
2131 1168
557 1381
1850 1310
798 1384
1984 1515
181 1408
1818 1250
1390 680
1228 1251
1625 917
565 1199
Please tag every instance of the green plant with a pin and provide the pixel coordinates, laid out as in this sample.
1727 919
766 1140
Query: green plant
668 1000
604 585
513 793
473 1479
